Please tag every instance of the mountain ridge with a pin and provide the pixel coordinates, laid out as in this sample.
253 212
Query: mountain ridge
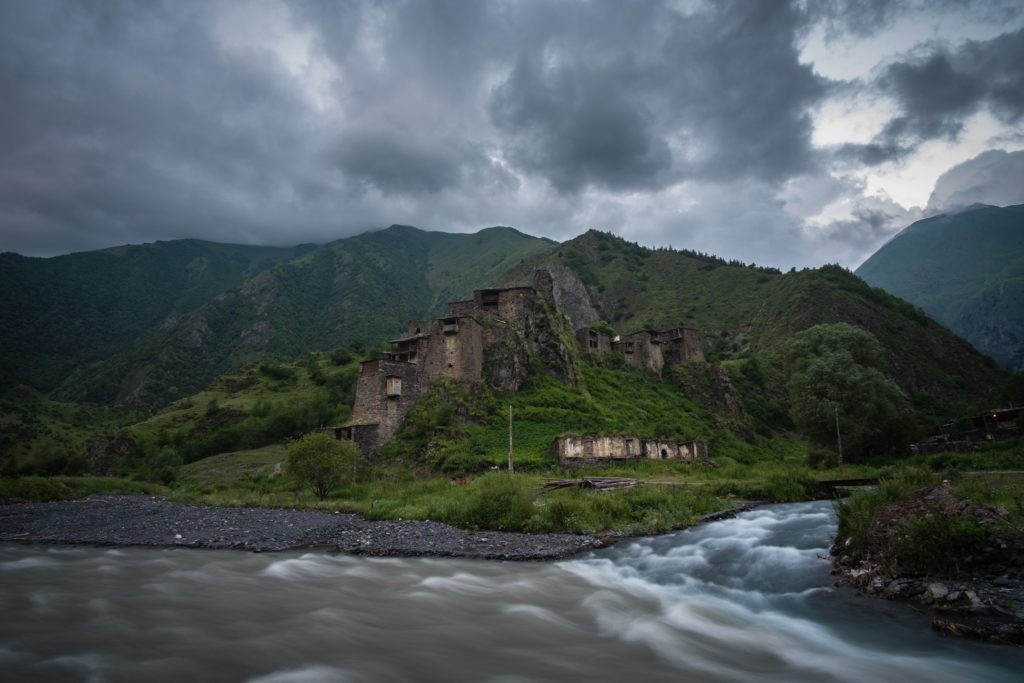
966 269
364 288
360 288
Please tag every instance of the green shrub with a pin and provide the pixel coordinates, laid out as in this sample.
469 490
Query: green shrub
857 517
280 373
162 467
341 356
858 513
322 462
497 501
937 544
821 458
788 489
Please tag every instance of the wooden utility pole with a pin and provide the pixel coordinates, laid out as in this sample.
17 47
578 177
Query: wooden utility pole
510 468
839 440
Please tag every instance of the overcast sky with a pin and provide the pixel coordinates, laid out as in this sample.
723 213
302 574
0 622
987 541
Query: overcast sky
788 134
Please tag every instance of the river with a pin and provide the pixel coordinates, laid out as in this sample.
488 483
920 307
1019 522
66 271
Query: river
745 599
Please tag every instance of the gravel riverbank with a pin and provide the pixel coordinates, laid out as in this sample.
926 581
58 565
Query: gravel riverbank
156 522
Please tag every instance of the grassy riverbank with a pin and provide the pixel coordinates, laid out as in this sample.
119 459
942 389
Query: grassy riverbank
671 494
938 533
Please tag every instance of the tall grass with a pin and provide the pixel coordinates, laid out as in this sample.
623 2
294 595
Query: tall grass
937 544
32 489
858 514
932 542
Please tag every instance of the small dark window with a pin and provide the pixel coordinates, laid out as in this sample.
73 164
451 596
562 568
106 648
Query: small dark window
489 299
588 447
664 454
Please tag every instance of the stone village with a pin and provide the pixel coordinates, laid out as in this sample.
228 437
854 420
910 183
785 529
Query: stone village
490 339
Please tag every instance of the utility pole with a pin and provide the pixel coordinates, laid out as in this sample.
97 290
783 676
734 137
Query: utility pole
510 468
839 440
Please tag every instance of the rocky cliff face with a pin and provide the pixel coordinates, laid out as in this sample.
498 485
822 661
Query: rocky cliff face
571 296
539 333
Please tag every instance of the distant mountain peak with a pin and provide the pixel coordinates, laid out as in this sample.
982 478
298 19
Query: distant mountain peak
965 268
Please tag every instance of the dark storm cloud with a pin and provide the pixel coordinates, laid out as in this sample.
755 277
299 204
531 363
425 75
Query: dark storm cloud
580 125
721 94
861 18
936 89
746 93
125 121
856 17
133 121
285 122
393 165
994 177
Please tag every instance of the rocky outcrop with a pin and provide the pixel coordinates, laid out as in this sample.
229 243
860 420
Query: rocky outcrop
537 330
984 600
571 296
103 453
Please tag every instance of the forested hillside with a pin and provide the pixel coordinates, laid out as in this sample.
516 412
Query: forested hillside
746 312
60 315
360 289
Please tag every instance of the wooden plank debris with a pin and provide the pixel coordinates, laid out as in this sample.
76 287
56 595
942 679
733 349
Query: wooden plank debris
596 483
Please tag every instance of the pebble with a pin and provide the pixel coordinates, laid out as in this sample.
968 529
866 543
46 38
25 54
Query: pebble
144 521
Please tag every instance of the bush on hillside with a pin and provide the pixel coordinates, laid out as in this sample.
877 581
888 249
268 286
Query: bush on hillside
322 462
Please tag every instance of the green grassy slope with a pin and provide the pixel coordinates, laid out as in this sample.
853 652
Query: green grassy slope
49 437
253 406
58 314
457 430
967 270
256 405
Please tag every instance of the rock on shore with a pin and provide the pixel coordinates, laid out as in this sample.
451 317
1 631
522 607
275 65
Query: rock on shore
988 604
154 521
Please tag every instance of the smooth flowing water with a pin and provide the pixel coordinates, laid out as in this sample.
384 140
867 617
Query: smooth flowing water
746 599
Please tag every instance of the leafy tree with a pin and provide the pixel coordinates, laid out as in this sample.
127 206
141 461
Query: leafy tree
837 368
321 461
602 327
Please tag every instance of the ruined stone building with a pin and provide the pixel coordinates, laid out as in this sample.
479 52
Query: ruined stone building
487 339
587 448
493 339
592 341
654 350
